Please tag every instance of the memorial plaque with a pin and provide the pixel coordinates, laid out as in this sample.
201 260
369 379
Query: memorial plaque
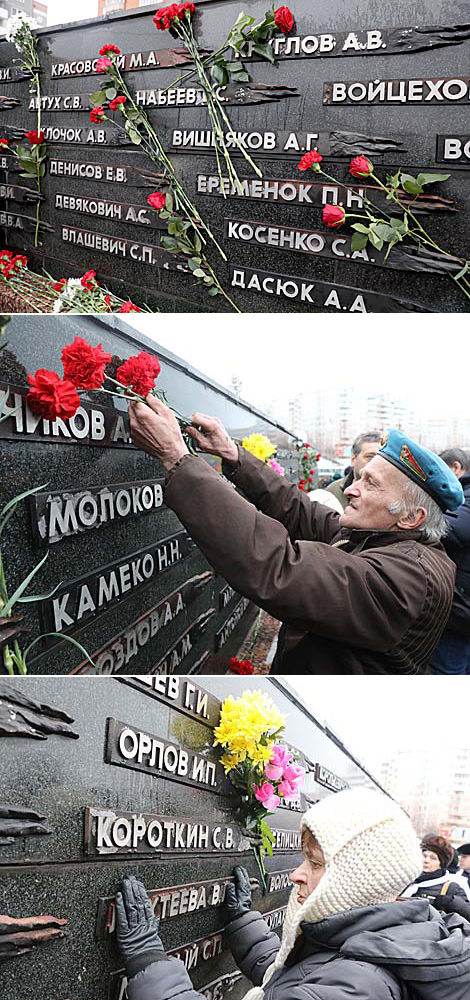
121 575
320 92
104 822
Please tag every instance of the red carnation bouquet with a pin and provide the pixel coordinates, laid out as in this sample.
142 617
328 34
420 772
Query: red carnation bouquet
308 458
85 370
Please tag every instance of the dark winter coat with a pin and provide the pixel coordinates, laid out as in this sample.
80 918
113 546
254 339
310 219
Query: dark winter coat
338 486
397 951
457 542
354 601
432 884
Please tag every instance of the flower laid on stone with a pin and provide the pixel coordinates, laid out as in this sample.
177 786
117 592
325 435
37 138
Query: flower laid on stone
34 137
333 216
157 200
261 770
97 115
11 264
103 64
260 446
164 17
241 666
31 159
4 142
109 48
361 167
116 102
311 159
129 307
284 20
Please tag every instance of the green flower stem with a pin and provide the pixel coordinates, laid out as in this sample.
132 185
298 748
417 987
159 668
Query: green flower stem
156 153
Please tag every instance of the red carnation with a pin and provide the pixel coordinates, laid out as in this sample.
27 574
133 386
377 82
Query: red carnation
107 300
157 200
88 279
129 307
35 138
109 48
317 456
164 17
116 102
4 142
103 64
52 397
333 215
361 167
283 20
97 115
84 365
241 666
139 373
309 160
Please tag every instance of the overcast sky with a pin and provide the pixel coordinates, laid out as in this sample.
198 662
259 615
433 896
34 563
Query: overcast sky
74 10
277 355
376 716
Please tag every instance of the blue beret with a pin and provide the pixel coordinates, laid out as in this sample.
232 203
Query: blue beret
424 467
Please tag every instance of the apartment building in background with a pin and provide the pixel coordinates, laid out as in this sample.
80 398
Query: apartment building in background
108 6
33 8
433 786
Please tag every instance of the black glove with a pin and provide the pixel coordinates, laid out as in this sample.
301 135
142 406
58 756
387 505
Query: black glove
452 904
238 896
441 903
136 924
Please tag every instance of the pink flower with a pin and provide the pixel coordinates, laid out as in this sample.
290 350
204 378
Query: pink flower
103 64
266 794
288 789
294 773
279 760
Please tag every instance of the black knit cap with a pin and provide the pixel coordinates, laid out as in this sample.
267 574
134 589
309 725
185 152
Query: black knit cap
464 849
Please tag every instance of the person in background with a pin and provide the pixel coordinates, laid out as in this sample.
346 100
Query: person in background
345 937
464 860
452 653
436 879
364 448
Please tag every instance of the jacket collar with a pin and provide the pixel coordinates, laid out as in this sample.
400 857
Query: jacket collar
368 538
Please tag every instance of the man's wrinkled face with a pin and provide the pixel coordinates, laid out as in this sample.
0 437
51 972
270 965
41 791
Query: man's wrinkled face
369 497
464 862
366 454
307 876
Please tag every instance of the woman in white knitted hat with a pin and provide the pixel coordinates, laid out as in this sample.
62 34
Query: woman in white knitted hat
345 937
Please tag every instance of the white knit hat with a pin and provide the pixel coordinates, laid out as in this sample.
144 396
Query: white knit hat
371 853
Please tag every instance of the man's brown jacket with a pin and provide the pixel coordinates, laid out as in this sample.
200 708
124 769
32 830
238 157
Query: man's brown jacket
354 601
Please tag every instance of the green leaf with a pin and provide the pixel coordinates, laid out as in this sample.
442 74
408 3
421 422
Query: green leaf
214 291
11 506
194 263
66 638
219 75
199 273
359 241
463 271
22 587
432 178
134 136
384 232
169 201
360 228
375 240
111 93
265 51
97 98
410 184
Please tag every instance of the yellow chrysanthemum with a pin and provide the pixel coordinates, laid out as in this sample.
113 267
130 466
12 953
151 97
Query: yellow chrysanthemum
260 446
246 728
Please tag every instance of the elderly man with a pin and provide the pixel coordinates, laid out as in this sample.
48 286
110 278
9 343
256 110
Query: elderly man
368 591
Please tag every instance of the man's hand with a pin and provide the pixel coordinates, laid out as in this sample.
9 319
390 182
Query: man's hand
210 435
155 430
136 925
238 896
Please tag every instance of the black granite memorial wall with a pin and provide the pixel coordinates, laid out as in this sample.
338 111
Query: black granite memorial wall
168 820
390 81
128 582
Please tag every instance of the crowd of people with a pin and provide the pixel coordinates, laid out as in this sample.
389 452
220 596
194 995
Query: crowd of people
373 915
366 588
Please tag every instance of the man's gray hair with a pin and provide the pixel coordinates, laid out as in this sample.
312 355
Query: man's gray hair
364 439
435 526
